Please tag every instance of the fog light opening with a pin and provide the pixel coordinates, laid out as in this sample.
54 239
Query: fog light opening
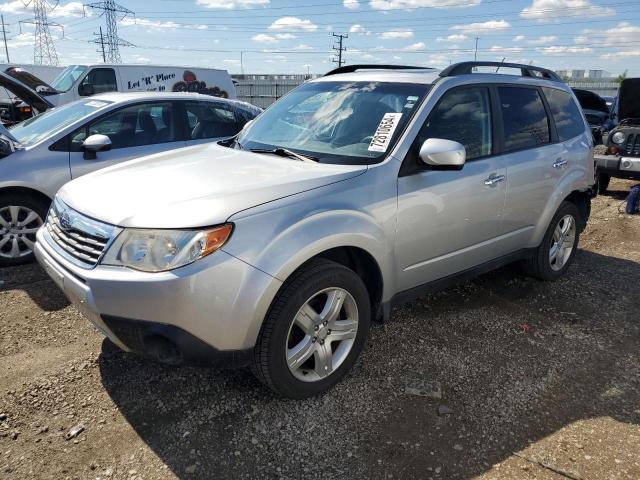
162 349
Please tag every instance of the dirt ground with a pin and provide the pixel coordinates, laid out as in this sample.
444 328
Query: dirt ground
524 380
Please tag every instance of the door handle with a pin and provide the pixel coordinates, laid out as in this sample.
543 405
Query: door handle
559 163
494 180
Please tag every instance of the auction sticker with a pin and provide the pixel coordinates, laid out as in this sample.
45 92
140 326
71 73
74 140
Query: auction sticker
96 104
384 132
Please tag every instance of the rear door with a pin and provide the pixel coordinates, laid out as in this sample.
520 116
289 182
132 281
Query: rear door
211 121
135 131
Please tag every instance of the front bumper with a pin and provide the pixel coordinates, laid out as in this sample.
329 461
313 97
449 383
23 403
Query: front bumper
615 165
212 308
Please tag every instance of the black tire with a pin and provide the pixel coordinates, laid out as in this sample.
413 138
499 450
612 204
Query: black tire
539 265
603 182
23 200
269 361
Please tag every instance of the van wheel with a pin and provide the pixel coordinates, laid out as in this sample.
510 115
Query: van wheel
554 255
314 330
20 218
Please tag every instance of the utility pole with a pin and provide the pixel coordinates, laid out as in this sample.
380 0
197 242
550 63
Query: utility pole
44 52
111 10
4 35
339 48
241 63
100 40
475 55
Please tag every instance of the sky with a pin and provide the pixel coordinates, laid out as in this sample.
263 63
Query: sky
287 36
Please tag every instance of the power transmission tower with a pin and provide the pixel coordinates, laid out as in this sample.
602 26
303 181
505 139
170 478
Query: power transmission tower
339 48
111 11
44 51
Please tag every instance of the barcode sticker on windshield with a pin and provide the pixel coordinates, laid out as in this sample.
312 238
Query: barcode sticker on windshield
96 104
384 132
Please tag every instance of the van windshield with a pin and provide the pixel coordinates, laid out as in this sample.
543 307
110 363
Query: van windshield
351 123
68 77
40 127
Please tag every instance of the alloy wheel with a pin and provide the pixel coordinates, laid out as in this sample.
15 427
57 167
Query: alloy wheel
322 334
562 242
18 227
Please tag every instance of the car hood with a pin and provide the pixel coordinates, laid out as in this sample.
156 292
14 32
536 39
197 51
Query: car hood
195 186
24 93
629 99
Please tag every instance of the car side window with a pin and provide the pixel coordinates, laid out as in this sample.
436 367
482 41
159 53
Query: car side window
211 120
524 118
565 112
462 115
134 126
98 80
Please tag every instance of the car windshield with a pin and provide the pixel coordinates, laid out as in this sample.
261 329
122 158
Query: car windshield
68 77
33 130
354 123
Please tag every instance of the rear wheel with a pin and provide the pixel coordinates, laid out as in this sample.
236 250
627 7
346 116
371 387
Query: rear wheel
314 331
554 255
20 218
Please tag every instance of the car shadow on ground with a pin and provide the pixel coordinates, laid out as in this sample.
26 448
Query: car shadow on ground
32 279
517 360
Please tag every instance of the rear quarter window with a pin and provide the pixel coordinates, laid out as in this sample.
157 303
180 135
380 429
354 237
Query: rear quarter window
524 118
566 114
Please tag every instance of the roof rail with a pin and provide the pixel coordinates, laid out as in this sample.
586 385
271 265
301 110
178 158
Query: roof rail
353 68
463 68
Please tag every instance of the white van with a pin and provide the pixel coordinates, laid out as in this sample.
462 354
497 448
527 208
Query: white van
77 81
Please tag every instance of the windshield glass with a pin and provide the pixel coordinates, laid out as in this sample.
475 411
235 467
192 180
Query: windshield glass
353 123
37 128
68 77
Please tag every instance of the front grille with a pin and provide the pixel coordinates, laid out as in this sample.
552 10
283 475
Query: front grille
80 239
632 146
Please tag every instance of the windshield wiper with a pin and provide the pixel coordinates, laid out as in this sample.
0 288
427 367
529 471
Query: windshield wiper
284 152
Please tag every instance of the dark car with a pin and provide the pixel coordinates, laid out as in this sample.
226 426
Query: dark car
619 156
597 111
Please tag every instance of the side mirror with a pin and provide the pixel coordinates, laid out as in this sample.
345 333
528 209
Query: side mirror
86 90
443 154
94 144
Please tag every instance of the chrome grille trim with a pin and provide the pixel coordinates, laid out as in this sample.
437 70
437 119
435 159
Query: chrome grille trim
79 239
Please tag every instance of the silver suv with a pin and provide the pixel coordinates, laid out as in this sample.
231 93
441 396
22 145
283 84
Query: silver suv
354 193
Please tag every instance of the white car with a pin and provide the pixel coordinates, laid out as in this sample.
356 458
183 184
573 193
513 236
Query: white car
41 154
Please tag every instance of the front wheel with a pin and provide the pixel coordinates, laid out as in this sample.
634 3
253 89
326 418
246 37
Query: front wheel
554 255
20 218
314 330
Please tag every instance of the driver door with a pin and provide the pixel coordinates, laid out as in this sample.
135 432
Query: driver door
135 131
451 220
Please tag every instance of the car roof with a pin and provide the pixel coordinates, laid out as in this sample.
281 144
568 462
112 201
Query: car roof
424 76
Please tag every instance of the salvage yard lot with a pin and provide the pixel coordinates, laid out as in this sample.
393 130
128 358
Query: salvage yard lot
538 380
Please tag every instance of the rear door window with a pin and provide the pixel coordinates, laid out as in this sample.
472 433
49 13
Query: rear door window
211 120
524 118
565 112
98 80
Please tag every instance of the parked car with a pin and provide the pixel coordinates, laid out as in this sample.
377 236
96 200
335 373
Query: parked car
610 101
22 101
352 194
597 112
39 155
620 155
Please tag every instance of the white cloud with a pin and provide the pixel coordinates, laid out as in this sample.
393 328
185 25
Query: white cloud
456 37
484 27
156 24
285 36
620 55
518 38
262 38
563 49
357 28
13 7
622 33
409 4
351 4
293 23
501 49
231 61
415 46
302 46
398 33
70 9
231 4
543 40
550 9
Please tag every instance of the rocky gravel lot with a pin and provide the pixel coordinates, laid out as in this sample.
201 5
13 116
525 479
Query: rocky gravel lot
503 377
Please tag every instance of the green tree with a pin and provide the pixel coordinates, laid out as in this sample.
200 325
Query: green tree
621 77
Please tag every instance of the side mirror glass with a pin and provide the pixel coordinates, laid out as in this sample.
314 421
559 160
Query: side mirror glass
94 144
443 154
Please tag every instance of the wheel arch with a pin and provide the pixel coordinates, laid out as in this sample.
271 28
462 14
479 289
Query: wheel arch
21 190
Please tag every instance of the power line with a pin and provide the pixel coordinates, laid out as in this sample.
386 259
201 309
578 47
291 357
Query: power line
339 48
44 51
111 10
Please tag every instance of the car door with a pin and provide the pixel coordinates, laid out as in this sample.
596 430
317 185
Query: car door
135 130
210 121
449 221
534 163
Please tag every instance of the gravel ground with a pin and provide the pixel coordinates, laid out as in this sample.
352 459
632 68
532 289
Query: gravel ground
517 379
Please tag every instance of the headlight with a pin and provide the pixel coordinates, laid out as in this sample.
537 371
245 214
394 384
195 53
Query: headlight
161 250
618 138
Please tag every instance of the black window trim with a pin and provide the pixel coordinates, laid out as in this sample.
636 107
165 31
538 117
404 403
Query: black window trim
410 165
